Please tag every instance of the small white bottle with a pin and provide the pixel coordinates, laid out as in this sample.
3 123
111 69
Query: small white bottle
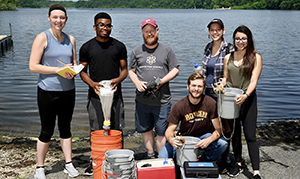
197 69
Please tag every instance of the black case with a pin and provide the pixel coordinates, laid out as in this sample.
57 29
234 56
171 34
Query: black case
201 170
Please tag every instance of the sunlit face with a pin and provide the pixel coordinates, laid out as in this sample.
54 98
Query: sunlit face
216 32
103 28
150 34
240 40
57 19
196 88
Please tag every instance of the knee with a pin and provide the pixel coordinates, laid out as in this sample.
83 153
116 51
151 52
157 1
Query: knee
65 134
250 138
167 151
45 136
223 143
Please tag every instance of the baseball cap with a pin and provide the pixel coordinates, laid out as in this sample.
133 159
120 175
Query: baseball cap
219 21
149 21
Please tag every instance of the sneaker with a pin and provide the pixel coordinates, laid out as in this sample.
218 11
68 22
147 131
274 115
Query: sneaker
39 173
151 156
69 169
256 176
235 171
89 170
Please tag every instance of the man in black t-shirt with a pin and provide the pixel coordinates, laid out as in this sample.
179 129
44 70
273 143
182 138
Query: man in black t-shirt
198 116
106 59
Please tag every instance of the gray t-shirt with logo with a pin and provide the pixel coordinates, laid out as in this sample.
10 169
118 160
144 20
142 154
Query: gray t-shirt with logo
151 63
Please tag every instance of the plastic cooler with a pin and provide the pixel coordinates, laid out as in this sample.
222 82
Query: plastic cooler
155 169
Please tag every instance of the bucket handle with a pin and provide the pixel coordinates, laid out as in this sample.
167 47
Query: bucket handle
182 153
102 162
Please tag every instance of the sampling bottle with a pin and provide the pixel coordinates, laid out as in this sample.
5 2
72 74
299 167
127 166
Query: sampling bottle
197 68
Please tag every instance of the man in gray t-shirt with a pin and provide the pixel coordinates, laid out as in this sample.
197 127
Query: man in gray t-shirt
152 60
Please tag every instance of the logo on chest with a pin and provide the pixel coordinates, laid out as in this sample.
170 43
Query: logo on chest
151 59
196 116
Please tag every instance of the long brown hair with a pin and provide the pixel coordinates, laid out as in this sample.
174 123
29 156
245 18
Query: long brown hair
249 57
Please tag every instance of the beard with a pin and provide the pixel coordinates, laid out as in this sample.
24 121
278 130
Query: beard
151 40
195 97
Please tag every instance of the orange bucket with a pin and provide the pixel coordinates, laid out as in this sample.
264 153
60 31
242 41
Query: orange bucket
101 144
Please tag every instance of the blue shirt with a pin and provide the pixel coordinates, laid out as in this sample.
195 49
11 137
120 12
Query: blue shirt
219 65
210 71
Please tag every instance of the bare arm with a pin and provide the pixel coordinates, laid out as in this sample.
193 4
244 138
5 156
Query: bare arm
140 85
169 134
86 78
214 136
122 76
74 61
171 75
37 50
225 75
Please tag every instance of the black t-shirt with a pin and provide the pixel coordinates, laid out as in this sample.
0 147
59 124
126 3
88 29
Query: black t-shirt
195 119
103 60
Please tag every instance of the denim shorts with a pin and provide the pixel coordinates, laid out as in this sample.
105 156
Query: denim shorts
148 117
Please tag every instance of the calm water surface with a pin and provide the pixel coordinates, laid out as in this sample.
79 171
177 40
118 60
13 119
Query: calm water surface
275 34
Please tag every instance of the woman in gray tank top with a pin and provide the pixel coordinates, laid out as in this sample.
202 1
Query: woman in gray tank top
242 70
52 50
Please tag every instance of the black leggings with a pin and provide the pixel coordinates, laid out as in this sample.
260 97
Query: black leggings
247 118
52 104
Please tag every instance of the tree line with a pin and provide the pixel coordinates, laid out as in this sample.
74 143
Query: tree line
157 4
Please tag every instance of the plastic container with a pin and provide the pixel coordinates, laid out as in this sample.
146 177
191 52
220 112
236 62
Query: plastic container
229 109
187 152
100 144
155 169
197 69
119 164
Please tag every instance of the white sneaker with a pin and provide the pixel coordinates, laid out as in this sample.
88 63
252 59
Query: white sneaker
39 173
69 169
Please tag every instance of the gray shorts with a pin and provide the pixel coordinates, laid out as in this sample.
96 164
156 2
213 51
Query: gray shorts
96 117
147 117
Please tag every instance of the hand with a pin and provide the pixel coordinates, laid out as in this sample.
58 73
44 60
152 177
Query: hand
140 86
241 99
96 86
175 142
114 83
202 144
69 75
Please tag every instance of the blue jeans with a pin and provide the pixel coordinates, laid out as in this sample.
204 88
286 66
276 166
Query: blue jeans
215 149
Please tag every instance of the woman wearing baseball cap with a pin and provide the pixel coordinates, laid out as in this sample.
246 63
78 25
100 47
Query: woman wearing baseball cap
214 53
213 67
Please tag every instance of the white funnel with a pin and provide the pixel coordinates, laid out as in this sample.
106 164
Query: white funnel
106 97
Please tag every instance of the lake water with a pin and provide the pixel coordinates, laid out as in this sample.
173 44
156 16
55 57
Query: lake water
276 35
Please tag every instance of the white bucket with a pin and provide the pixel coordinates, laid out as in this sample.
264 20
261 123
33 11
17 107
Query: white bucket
187 151
229 109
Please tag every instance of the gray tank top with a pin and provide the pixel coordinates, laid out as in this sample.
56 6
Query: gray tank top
54 51
236 78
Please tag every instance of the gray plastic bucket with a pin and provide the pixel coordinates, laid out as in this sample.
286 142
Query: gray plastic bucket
187 151
229 109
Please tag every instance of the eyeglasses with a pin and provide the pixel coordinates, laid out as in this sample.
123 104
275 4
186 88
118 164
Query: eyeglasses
102 26
241 40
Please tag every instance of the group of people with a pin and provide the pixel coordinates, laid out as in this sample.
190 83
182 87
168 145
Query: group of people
152 66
